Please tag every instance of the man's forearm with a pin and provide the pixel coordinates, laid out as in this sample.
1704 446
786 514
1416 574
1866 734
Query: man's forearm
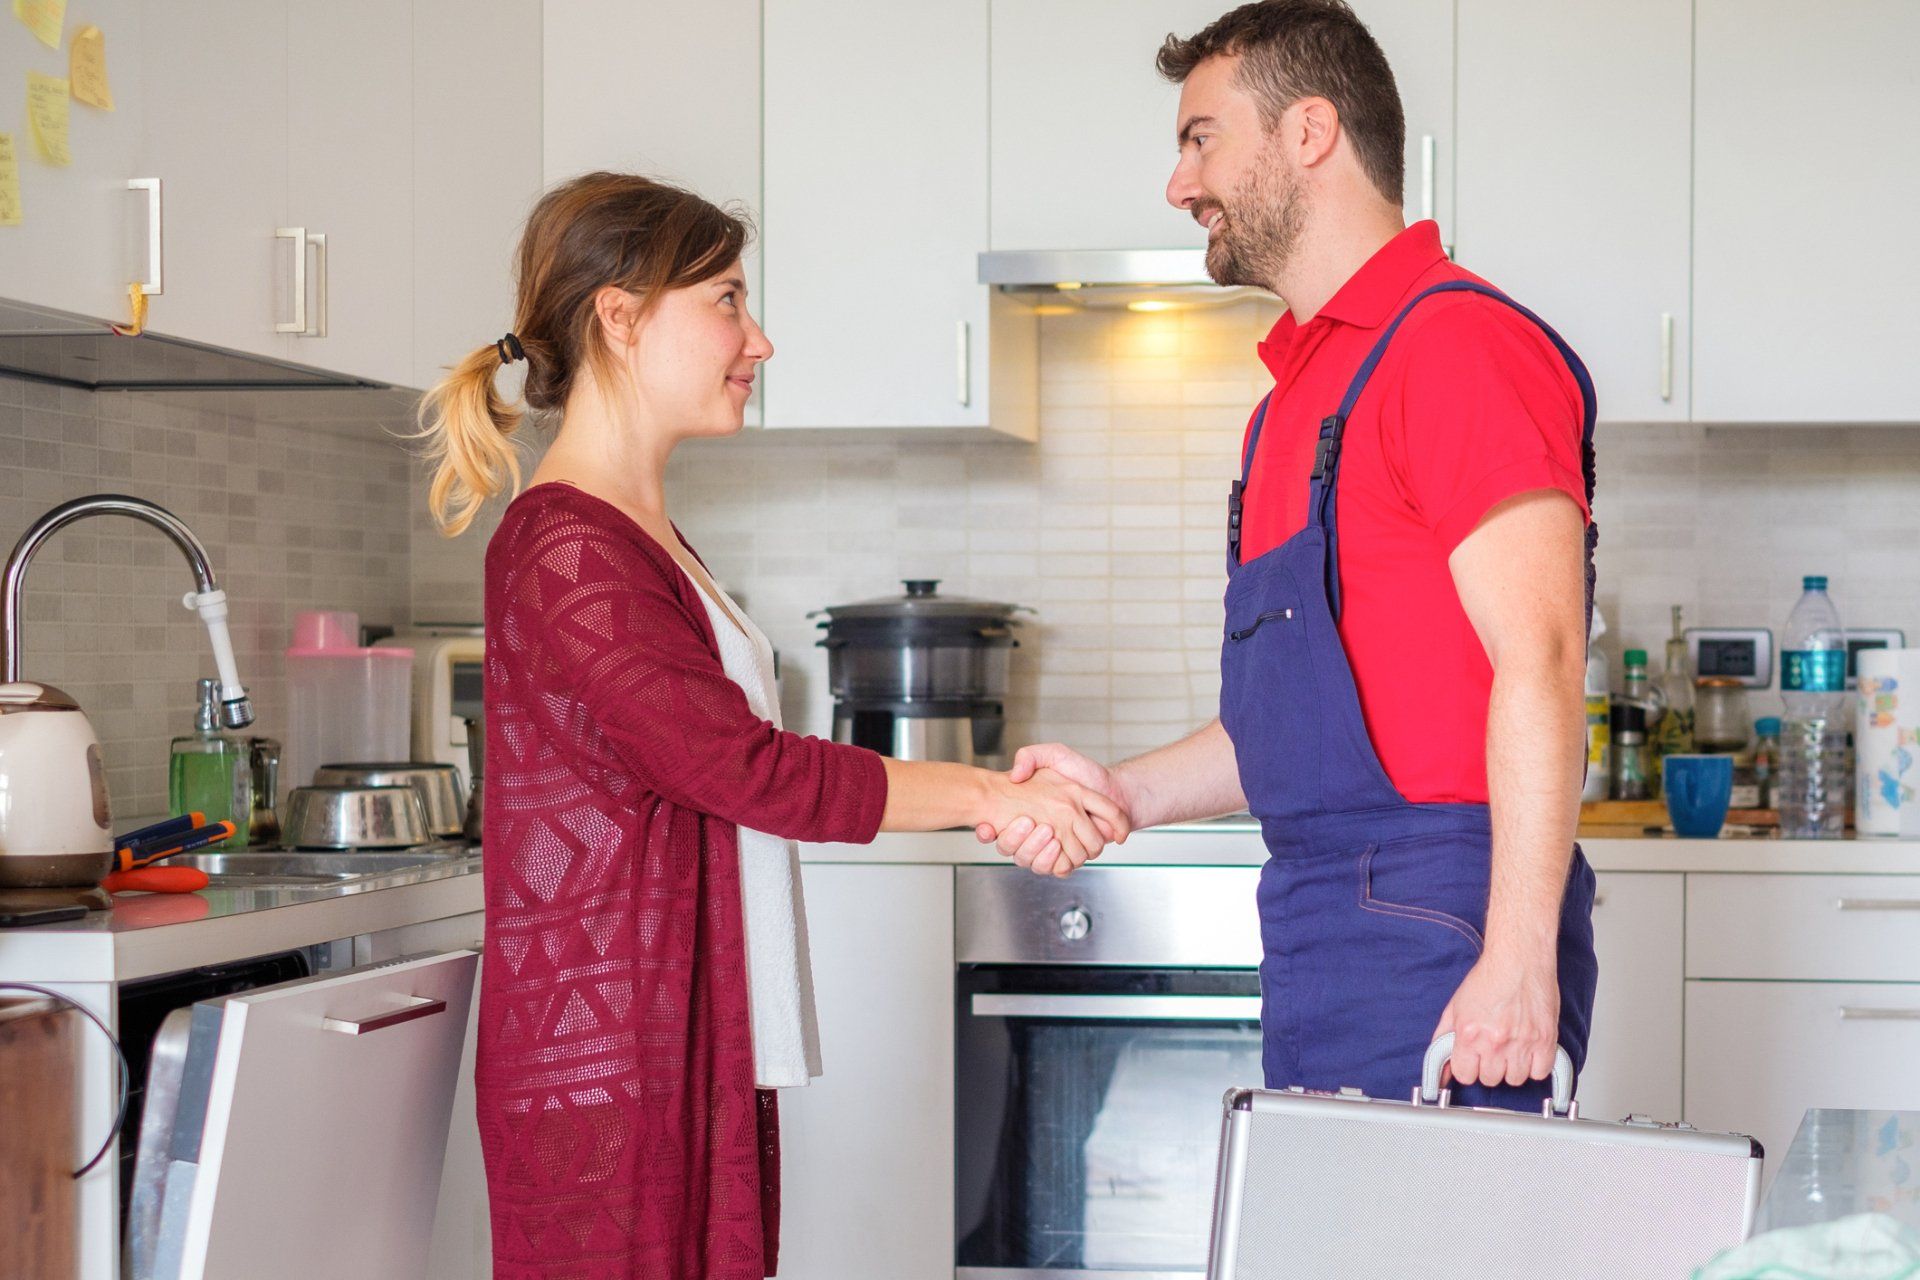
1196 777
1536 729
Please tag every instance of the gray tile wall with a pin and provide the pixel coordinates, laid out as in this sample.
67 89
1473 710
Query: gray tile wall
1111 527
294 515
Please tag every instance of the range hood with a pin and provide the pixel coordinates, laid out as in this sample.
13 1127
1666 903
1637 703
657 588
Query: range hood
1139 279
66 350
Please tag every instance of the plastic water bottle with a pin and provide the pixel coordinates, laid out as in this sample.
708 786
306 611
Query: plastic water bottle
1815 777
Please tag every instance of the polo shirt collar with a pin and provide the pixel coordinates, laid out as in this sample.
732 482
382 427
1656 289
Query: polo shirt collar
1370 294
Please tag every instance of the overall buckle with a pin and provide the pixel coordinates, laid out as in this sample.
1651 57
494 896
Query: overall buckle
1328 449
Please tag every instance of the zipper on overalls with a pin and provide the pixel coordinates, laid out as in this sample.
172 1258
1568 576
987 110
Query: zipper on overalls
1259 622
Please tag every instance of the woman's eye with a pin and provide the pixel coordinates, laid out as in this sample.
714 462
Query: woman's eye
728 298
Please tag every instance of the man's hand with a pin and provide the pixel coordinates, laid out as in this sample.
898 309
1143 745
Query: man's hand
1505 1019
1026 841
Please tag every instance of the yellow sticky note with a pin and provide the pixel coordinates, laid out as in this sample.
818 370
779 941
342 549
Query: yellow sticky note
9 183
44 18
87 66
47 117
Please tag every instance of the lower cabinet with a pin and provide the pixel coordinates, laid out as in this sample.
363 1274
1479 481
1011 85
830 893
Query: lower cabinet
867 1149
1759 1054
1633 1052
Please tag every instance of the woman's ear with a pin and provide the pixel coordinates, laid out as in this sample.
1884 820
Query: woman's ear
619 314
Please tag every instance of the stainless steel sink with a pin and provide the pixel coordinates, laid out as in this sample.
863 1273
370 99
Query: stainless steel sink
299 866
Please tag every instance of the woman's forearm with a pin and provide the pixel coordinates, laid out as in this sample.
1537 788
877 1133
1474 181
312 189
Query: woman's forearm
932 795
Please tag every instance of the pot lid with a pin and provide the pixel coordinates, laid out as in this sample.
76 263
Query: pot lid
921 600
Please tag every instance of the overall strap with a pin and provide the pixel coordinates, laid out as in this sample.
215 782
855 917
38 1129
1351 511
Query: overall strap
1321 507
1236 501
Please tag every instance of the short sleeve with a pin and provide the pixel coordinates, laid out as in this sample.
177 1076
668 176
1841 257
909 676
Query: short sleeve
1488 411
625 657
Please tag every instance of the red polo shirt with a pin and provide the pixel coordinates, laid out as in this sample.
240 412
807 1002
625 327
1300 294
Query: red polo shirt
1471 405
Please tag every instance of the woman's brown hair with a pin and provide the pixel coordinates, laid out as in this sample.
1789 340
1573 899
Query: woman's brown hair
596 230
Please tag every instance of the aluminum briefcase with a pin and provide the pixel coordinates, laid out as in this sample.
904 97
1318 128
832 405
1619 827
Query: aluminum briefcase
1319 1186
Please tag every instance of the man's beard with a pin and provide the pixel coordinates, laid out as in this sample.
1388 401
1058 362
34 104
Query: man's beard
1261 228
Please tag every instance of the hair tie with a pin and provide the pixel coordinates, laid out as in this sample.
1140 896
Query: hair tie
510 349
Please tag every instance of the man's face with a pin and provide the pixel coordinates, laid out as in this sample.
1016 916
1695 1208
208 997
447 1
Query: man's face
1232 178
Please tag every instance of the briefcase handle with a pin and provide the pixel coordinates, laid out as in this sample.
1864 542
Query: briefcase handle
1430 1092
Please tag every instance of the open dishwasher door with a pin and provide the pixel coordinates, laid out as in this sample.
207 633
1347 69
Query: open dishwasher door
298 1131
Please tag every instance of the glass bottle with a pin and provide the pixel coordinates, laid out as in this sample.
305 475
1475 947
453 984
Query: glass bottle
1633 710
210 771
1674 733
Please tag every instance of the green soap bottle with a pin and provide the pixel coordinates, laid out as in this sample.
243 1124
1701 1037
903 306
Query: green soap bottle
210 771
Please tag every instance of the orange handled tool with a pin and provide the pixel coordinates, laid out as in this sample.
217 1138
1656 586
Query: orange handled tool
131 858
156 880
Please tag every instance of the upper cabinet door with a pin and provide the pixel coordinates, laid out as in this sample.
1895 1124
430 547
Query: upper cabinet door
1083 125
1804 282
350 181
1417 37
692 117
476 171
1582 215
82 235
876 210
214 74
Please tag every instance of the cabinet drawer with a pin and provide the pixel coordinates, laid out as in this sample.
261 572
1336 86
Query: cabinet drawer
1760 1054
1836 928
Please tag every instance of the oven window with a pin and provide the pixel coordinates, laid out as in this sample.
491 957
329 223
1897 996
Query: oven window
1090 1112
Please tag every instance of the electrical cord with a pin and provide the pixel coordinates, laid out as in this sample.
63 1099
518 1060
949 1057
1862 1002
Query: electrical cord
120 1116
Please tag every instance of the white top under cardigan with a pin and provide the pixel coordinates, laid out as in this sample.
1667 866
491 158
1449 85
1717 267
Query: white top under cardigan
786 1030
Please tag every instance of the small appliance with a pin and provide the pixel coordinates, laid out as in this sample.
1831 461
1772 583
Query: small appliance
449 688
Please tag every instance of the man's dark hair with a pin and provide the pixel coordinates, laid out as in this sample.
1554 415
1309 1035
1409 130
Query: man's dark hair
1294 49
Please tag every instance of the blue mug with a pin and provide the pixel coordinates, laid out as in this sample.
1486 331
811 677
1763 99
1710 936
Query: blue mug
1698 789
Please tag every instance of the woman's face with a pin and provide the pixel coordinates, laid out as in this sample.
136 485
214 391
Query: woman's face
693 359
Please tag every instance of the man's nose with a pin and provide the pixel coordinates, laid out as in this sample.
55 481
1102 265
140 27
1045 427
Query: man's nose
1182 188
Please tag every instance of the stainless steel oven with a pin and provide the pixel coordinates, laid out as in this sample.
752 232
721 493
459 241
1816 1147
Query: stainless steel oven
1101 1019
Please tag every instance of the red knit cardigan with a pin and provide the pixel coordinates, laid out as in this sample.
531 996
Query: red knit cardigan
622 1133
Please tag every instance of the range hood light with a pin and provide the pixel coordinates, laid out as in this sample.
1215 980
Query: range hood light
1153 304
1065 285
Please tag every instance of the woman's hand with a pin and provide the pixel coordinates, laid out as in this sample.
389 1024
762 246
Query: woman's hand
1078 817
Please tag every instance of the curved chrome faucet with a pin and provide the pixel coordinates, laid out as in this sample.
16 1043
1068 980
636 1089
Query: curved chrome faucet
209 601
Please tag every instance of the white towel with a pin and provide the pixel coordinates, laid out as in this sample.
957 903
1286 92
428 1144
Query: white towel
786 1031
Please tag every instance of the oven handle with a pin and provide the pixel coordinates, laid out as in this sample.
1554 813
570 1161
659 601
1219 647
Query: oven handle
1123 1008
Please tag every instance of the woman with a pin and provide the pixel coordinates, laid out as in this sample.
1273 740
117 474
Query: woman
645 949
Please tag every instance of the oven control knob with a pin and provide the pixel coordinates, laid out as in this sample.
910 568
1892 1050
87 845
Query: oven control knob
1075 924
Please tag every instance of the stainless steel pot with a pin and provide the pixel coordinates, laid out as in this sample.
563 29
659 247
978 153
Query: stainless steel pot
355 818
919 647
438 785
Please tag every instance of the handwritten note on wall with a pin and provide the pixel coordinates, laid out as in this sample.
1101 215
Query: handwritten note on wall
10 215
44 18
47 112
87 68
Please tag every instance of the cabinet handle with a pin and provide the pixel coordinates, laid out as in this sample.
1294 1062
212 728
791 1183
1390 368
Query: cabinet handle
318 239
422 1007
1666 355
153 285
1150 1008
1599 899
963 370
1853 1013
1877 904
1427 149
299 237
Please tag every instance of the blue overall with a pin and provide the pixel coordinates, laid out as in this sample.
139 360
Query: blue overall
1371 908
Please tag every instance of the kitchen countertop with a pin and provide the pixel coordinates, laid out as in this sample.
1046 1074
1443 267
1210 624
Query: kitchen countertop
145 934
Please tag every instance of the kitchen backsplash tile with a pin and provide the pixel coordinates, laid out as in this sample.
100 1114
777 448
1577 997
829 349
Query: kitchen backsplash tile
293 516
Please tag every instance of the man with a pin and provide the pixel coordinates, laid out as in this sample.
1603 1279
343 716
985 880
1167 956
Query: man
1406 615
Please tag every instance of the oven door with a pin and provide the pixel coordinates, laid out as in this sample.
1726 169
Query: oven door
1089 1115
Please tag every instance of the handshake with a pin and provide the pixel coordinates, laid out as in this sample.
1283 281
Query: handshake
1053 810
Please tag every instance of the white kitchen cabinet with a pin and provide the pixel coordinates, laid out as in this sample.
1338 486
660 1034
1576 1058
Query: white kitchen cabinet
875 212
1803 284
868 1149
82 237
1083 127
1759 1054
476 170
214 75
1082 143
349 151
1583 215
1832 928
1633 1050
661 88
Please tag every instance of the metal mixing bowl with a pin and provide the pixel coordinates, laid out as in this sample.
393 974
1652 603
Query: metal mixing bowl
438 785
355 818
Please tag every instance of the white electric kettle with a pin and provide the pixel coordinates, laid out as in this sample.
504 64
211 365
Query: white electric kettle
55 818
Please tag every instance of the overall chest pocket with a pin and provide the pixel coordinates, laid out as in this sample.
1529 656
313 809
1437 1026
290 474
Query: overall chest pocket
1284 614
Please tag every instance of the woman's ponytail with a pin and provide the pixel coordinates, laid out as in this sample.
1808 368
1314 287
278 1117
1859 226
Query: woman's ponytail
468 430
